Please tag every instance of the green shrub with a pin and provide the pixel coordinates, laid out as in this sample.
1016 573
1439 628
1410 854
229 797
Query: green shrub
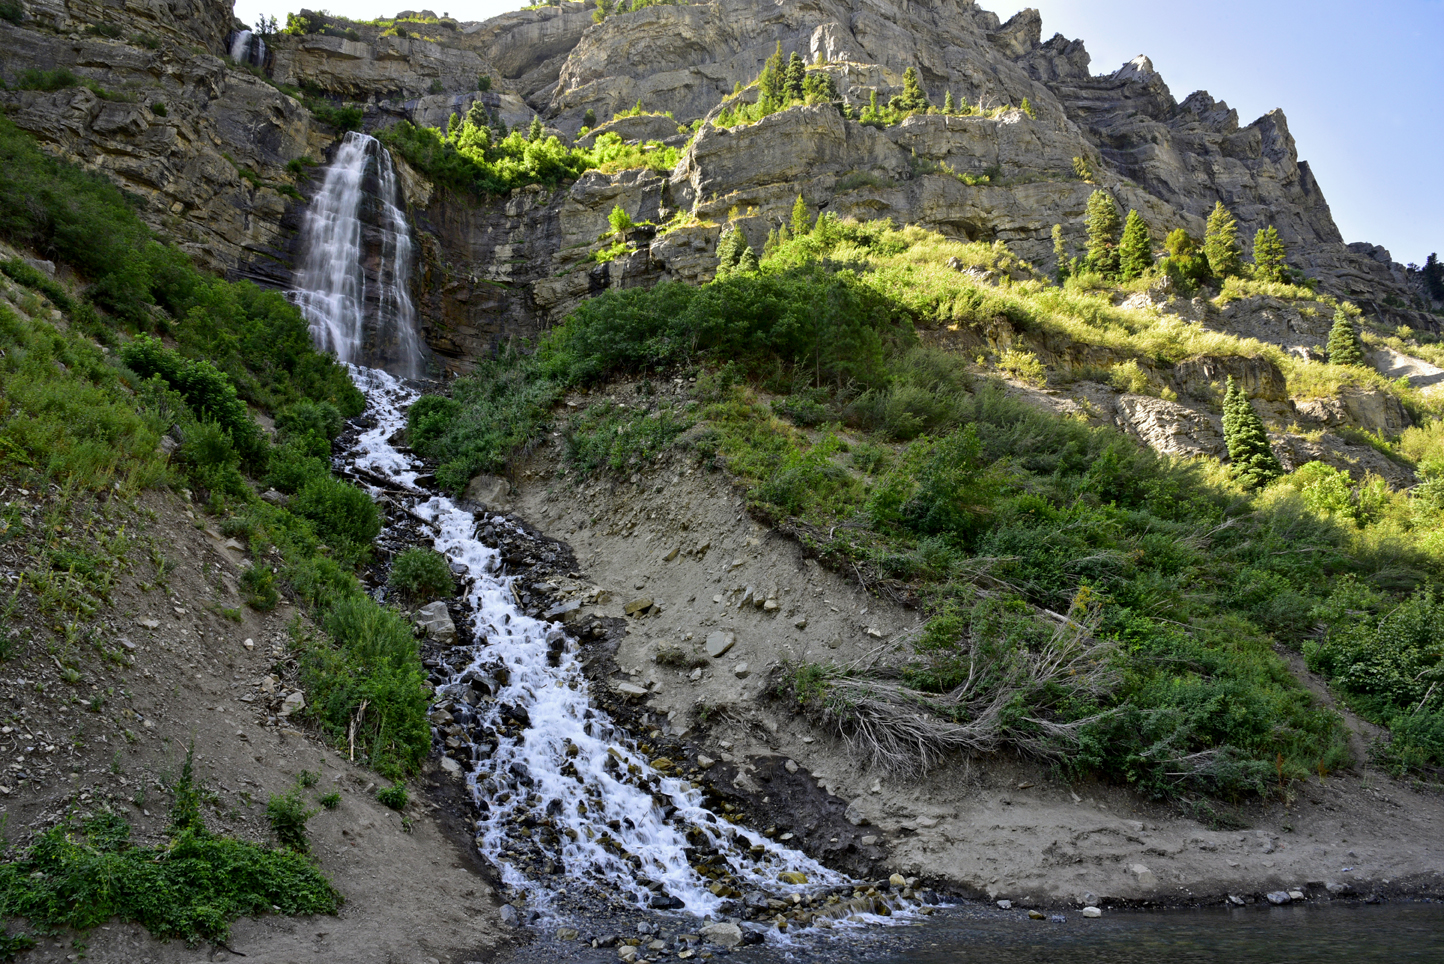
12 11
47 80
34 278
159 109
258 585
483 83
420 574
298 462
211 460
330 801
341 513
288 814
394 796
305 416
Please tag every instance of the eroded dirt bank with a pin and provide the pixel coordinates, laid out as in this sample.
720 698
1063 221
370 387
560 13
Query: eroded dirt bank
993 827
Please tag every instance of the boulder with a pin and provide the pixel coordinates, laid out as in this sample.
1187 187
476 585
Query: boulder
719 643
435 622
723 935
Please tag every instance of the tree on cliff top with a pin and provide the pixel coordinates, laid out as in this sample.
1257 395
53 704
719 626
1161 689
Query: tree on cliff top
1220 243
796 73
1251 457
913 96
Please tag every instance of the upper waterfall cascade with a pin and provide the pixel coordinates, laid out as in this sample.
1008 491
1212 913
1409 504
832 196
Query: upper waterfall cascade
248 48
353 281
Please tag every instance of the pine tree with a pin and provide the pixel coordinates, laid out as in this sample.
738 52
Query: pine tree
1344 346
796 73
748 262
1251 458
1433 272
949 105
453 124
1027 108
729 250
913 96
1060 254
1220 243
589 119
534 133
770 84
1135 251
801 223
1103 224
1269 259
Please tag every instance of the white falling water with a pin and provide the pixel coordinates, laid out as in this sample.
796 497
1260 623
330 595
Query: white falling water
362 317
247 48
600 811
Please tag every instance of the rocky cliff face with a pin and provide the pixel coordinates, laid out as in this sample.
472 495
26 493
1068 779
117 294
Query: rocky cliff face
212 169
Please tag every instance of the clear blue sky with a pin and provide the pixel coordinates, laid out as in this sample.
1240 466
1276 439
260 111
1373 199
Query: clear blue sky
1361 84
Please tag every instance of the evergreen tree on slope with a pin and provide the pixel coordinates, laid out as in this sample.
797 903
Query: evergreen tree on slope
1135 251
1251 458
1344 346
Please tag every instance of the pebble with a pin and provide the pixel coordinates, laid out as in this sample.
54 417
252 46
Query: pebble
742 670
719 643
1092 912
1037 915
1005 905
1278 897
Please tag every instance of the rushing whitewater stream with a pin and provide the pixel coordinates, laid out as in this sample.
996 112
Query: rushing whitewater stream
584 825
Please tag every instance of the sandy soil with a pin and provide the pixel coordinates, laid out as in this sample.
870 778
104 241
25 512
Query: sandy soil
411 896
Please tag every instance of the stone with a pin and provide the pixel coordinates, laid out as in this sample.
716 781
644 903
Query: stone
434 620
672 555
792 877
723 935
567 612
800 623
627 953
450 766
719 643
509 916
488 490
770 606
638 606
249 643
704 761
274 497
1336 888
869 841
566 933
1146 877
294 702
897 880
1277 897
1005 905
1091 911
631 690
1037 915
741 671
790 766
148 623
233 545
695 675
1236 900
855 815
1296 895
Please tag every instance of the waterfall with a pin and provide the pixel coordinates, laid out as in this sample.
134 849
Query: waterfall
247 48
554 778
353 282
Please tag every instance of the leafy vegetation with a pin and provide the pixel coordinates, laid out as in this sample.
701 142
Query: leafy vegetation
421 574
1028 539
84 872
478 156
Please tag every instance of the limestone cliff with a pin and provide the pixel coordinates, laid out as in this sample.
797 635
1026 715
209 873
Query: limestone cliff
212 167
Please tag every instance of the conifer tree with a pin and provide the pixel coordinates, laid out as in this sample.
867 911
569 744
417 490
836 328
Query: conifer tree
801 223
1060 254
1135 251
1027 108
770 84
1220 243
949 105
453 124
1344 346
748 262
534 134
1103 224
1269 260
913 96
729 250
589 119
1250 456
796 73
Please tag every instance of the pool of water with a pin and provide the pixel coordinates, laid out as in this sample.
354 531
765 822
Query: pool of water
1358 934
